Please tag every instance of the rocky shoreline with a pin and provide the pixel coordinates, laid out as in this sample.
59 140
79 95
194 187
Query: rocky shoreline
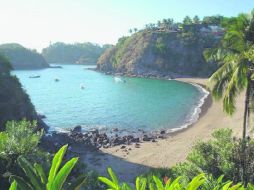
153 74
95 139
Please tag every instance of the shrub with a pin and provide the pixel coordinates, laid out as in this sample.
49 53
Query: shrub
223 155
20 138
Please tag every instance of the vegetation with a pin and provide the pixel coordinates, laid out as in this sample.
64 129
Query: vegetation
22 58
81 53
199 182
19 139
235 53
223 162
15 104
56 177
166 47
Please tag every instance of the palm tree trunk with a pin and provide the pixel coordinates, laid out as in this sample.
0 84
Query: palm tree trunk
246 107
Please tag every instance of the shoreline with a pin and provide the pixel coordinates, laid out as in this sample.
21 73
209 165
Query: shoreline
174 149
124 137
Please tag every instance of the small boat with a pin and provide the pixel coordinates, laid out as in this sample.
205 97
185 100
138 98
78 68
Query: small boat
56 79
82 86
34 76
117 79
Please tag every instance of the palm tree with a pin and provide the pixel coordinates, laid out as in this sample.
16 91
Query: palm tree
187 20
235 53
196 19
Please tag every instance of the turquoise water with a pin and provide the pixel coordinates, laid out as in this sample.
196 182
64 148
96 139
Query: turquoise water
106 101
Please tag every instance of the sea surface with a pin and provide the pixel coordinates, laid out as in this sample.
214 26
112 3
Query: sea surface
94 100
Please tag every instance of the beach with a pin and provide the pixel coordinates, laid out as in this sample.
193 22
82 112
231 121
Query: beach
130 161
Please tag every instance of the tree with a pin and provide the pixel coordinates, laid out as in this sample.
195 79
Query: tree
135 30
187 20
159 24
213 20
130 31
235 53
196 20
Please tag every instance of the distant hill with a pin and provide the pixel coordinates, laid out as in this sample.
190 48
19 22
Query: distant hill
80 53
23 58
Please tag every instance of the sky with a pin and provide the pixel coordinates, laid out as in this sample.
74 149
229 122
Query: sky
36 23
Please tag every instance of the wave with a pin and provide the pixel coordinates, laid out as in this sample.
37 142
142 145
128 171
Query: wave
196 110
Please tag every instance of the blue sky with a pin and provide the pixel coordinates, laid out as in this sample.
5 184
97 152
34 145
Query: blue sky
34 23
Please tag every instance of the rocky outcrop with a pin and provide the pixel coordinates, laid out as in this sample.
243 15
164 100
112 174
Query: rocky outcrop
23 58
15 104
159 53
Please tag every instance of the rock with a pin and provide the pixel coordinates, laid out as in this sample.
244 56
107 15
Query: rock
41 116
123 147
153 140
115 129
160 136
137 145
146 138
94 131
162 132
77 129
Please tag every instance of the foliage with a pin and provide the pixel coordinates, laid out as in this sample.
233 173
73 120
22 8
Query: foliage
236 69
83 53
160 46
199 182
15 104
19 138
56 178
223 155
22 58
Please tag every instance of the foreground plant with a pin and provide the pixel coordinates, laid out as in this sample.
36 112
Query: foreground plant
199 182
37 179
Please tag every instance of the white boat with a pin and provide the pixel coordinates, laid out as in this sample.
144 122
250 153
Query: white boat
82 86
118 79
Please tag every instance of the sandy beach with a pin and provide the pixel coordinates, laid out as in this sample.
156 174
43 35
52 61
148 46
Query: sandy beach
130 161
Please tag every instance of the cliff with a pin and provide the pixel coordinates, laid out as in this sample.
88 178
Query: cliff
23 58
15 104
159 54
80 53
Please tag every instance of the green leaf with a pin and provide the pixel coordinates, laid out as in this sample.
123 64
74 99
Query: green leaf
21 183
76 185
40 172
151 186
13 185
108 182
63 174
57 160
113 176
158 183
30 173
226 187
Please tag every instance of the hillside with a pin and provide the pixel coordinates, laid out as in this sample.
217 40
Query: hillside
15 104
80 53
22 58
159 53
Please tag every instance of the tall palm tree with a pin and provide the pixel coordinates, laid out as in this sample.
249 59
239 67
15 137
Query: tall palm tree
236 74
